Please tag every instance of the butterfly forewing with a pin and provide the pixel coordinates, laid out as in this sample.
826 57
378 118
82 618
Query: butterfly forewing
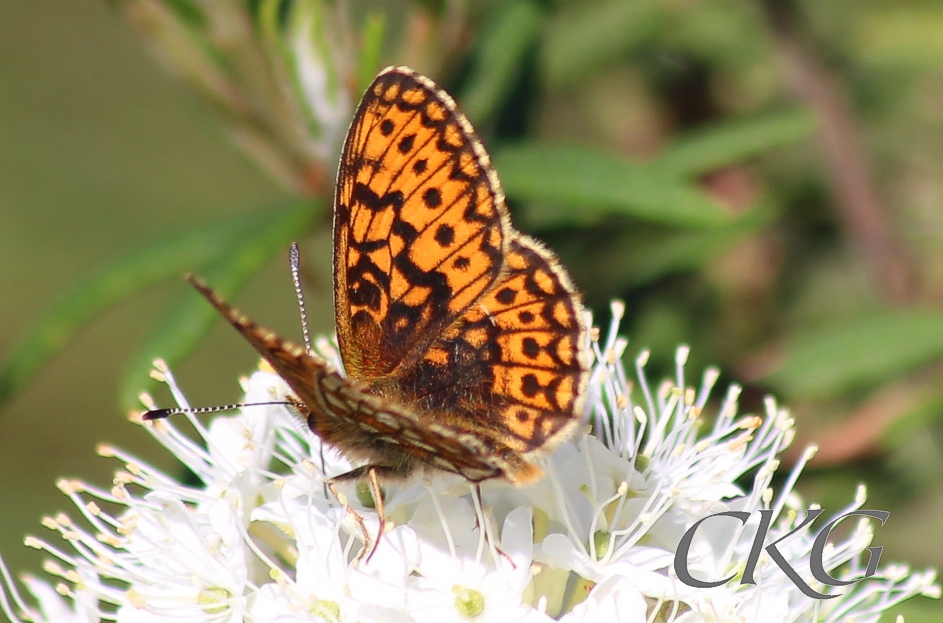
420 226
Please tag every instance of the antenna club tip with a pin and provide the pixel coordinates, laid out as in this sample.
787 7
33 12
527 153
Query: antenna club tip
157 414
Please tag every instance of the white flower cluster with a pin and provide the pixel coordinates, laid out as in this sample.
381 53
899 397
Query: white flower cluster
261 539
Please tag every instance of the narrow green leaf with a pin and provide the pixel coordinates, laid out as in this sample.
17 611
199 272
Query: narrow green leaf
108 286
861 351
587 34
641 255
926 414
722 145
584 184
178 333
498 62
268 17
371 49
188 12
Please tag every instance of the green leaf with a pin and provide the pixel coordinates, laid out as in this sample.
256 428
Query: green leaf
108 286
268 18
584 184
499 59
725 144
927 412
641 255
587 34
371 49
855 353
188 12
178 333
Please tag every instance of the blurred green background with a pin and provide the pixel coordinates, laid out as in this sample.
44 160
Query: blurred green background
760 180
102 152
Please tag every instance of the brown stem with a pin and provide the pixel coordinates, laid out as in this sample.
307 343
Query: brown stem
861 212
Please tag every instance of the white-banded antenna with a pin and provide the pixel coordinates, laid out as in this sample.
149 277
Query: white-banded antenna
159 414
294 260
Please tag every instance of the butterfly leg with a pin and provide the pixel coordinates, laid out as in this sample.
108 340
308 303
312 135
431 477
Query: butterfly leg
378 505
372 472
481 523
303 412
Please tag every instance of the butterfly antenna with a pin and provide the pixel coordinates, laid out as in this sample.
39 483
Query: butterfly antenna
159 414
294 260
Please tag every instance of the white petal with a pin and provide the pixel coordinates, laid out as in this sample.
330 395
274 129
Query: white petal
612 601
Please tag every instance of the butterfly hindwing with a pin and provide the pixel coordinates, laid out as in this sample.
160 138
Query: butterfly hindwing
516 363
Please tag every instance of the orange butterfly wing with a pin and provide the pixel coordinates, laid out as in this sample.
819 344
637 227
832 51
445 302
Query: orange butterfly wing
440 304
420 226
515 366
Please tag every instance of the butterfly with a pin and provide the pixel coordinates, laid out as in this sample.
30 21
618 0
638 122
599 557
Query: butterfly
463 340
